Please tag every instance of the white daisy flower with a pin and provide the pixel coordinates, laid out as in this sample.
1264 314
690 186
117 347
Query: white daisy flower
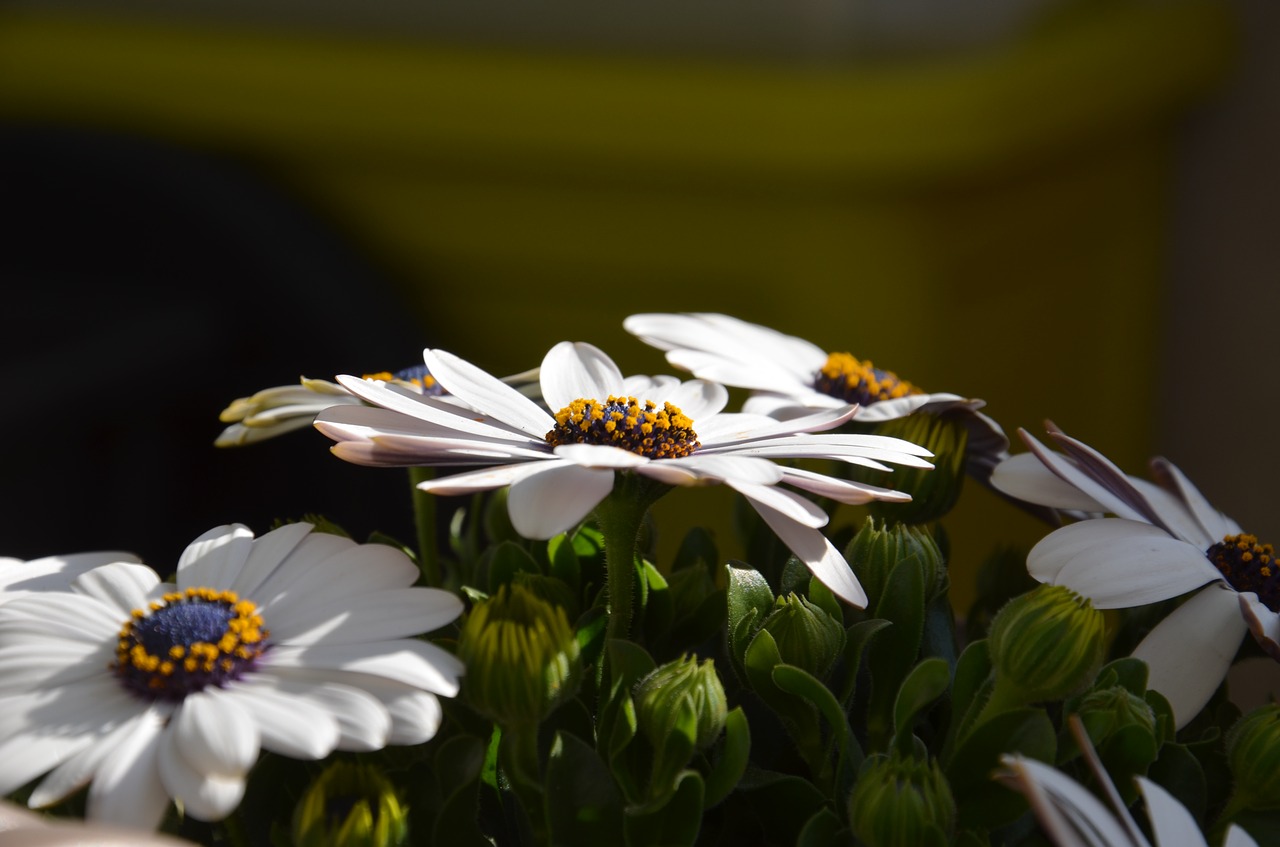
790 377
561 466
1163 540
296 642
51 573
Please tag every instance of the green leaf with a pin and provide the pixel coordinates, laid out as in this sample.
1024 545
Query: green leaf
504 561
1178 771
973 675
748 602
462 758
675 824
584 808
982 802
895 652
730 763
856 639
564 564
923 686
697 549
825 599
779 804
799 682
656 605
825 829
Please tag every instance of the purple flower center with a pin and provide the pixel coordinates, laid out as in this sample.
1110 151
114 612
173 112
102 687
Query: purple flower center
1248 566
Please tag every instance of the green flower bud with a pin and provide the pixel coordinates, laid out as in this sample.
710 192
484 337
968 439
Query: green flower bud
1253 752
1108 710
1045 645
879 546
933 492
521 657
899 801
807 636
350 805
681 696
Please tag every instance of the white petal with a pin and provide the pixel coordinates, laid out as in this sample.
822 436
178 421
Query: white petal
51 573
215 734
127 789
1118 563
27 756
1189 652
1214 524
409 661
545 504
1025 477
448 416
821 556
415 714
718 467
204 796
73 616
77 771
363 722
487 394
898 407
1263 623
1171 823
352 572
121 586
600 456
841 490
697 399
267 554
379 615
92 707
1121 505
1069 812
578 371
485 479
57 663
795 404
1237 837
287 725
788 505
215 559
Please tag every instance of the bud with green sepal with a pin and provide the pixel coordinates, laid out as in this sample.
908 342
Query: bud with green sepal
680 709
900 800
806 635
1044 645
350 805
933 492
1253 754
522 657
880 545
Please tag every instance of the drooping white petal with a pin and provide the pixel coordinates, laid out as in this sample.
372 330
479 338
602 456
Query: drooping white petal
1120 498
1118 563
215 559
1213 523
408 661
127 789
789 506
898 407
600 456
578 371
204 796
485 479
841 490
1025 477
1067 811
1263 623
119 586
1188 653
215 734
1171 823
487 394
545 504
819 554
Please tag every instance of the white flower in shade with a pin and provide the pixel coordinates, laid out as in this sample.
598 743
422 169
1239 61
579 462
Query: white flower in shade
790 376
1073 817
297 642
560 466
1163 540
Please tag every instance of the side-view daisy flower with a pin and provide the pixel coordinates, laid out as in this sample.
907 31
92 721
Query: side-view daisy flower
790 377
297 642
561 465
1163 540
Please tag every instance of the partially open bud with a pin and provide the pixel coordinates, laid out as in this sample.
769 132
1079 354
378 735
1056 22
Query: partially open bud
682 696
350 805
1045 645
521 657
807 636
901 801
1253 752
933 492
879 546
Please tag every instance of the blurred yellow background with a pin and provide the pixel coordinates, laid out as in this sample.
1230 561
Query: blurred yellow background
989 214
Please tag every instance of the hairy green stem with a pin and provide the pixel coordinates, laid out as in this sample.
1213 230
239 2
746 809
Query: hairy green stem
620 516
424 520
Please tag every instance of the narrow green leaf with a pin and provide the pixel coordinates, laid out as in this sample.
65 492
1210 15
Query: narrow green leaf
584 808
923 686
730 762
675 824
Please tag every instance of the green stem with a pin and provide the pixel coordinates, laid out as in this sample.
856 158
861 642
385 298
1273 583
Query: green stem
424 520
519 752
620 516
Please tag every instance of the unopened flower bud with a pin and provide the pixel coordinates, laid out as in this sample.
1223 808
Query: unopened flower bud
521 657
879 546
900 801
1253 752
681 693
807 636
1108 710
350 805
1046 644
933 492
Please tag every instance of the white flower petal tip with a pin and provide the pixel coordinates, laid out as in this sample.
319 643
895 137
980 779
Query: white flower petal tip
186 717
1264 624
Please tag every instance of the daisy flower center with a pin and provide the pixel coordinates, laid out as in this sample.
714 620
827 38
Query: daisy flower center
625 422
186 641
1248 566
858 381
418 376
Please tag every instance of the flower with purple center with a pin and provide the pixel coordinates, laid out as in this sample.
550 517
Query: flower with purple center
298 642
